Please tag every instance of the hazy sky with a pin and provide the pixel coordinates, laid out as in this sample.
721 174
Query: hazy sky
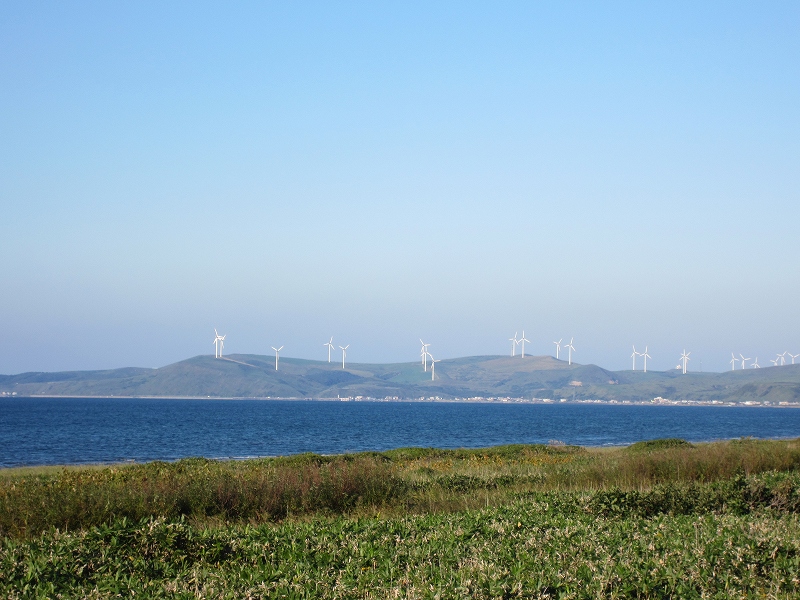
624 173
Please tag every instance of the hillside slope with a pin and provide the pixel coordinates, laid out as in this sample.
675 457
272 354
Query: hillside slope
254 376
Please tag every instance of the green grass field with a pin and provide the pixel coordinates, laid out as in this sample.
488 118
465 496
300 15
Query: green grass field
660 519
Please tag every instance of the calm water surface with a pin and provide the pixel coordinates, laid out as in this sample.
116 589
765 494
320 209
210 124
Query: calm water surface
73 431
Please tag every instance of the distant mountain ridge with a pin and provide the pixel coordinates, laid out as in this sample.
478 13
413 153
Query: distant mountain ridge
254 376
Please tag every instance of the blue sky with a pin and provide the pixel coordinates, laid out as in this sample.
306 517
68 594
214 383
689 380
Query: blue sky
624 173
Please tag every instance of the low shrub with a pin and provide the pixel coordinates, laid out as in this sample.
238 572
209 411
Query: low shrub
737 495
193 488
660 444
660 476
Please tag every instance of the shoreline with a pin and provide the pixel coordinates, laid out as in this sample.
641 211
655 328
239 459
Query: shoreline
51 468
431 400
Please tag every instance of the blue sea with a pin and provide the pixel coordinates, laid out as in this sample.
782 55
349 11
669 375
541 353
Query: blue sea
39 431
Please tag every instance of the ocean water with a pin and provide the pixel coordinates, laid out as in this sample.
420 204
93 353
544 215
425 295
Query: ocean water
76 431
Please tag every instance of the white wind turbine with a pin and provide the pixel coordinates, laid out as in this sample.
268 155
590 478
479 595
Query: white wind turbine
219 344
774 361
330 347
344 353
514 341
277 350
424 354
744 360
793 356
783 358
571 349
522 343
633 356
558 347
433 367
733 361
645 356
684 359
755 365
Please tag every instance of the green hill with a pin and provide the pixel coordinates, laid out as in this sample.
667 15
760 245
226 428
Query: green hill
254 376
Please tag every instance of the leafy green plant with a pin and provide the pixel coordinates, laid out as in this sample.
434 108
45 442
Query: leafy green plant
545 545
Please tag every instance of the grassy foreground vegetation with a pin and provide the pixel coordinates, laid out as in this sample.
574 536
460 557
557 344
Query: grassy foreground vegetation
662 519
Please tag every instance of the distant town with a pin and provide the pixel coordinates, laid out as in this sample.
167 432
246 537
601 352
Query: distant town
475 399
505 399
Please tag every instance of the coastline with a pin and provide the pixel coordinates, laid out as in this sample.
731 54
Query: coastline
430 399
47 469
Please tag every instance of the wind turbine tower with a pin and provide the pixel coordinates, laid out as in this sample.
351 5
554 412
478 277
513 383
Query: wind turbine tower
433 367
522 343
219 344
571 349
684 359
344 354
558 347
755 365
733 361
793 356
633 356
514 341
783 358
645 356
424 354
330 347
277 350
744 360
